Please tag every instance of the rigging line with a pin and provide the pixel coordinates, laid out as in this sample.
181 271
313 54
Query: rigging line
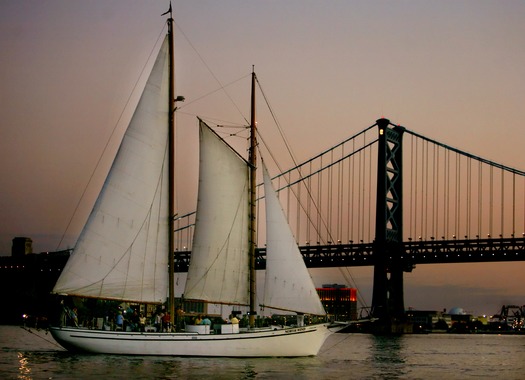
283 136
354 282
353 138
47 340
228 134
321 169
310 197
210 71
288 147
274 117
298 167
110 138
222 87
211 120
336 344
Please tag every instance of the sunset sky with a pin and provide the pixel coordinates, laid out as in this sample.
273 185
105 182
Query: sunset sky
453 71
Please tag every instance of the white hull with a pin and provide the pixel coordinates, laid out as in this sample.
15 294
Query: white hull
290 342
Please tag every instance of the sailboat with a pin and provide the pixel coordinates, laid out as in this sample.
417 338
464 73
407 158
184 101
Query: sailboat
125 251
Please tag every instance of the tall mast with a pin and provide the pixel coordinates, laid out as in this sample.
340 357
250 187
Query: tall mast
171 127
252 159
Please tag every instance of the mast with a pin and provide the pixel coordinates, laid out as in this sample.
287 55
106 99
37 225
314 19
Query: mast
252 159
171 127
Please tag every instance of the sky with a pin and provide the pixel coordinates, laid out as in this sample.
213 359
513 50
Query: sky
453 71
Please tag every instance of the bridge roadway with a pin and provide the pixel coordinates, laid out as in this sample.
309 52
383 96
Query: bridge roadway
413 253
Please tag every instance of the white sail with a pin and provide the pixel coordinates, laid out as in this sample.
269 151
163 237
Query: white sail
122 253
288 285
218 269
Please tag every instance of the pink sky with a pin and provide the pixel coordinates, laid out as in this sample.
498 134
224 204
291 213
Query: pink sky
450 70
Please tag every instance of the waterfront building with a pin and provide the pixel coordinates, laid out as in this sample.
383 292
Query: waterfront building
339 301
26 280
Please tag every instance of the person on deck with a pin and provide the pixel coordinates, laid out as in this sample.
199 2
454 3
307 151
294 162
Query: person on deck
234 320
142 322
206 321
120 321
166 323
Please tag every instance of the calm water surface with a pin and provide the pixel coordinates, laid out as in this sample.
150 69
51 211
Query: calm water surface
35 355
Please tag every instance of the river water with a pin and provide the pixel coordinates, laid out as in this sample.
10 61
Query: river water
32 354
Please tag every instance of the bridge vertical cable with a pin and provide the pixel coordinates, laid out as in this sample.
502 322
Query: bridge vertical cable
448 188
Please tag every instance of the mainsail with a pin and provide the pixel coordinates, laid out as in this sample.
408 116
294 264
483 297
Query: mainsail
122 253
288 285
218 269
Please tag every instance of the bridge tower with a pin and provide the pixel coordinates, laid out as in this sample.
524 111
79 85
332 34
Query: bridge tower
387 299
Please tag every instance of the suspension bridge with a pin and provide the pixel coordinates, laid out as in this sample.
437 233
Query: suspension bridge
393 199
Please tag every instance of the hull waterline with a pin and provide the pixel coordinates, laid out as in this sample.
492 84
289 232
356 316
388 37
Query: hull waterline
288 342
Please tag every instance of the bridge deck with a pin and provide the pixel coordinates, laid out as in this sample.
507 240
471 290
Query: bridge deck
415 252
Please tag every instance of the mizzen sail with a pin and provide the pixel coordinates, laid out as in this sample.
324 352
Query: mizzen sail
218 269
288 285
122 253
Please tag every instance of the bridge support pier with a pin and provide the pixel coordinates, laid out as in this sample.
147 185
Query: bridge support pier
388 300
